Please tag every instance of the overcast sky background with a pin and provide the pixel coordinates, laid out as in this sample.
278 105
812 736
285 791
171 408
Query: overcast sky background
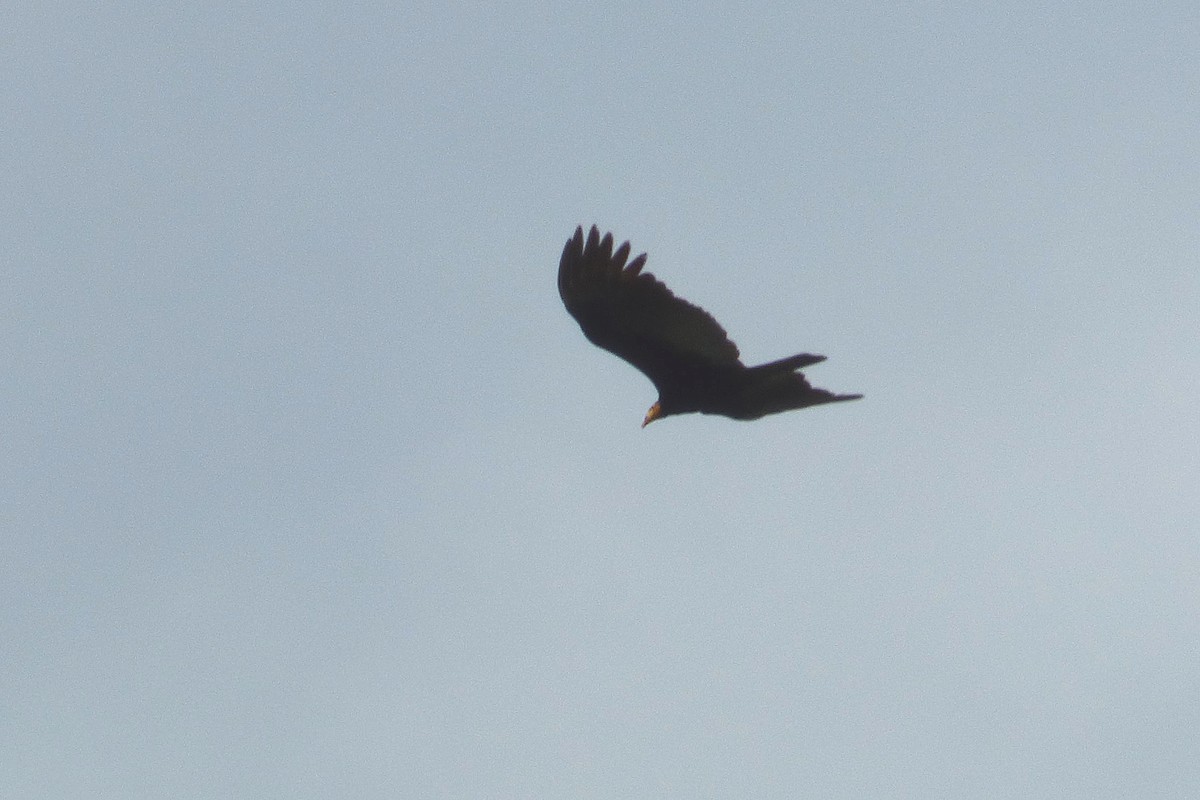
310 488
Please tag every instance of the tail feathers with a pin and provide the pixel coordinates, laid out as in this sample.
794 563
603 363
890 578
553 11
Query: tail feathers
777 386
791 363
803 397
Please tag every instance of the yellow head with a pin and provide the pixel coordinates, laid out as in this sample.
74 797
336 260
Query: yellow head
654 413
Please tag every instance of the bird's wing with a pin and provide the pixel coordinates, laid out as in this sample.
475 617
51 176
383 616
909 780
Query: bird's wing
632 314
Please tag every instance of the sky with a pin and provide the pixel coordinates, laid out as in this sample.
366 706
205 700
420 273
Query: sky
311 488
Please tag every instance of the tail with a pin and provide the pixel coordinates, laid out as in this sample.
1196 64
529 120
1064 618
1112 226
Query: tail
791 363
776 387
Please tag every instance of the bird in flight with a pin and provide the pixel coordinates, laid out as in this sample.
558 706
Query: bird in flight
683 351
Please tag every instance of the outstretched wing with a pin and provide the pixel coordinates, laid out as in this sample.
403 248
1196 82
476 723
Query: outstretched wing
632 314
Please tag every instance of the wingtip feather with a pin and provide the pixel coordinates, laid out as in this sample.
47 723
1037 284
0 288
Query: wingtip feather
620 254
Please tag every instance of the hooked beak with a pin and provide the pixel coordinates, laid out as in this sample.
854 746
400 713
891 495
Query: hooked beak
654 413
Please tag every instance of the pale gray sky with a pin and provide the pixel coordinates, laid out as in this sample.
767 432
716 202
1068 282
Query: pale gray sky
310 488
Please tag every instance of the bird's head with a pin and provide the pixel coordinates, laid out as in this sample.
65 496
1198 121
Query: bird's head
654 413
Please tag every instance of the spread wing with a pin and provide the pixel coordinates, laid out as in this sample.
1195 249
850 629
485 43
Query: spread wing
632 314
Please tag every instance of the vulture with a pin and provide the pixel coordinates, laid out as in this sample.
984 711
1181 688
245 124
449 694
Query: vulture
684 352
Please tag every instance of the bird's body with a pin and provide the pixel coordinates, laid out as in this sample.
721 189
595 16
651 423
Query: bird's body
679 346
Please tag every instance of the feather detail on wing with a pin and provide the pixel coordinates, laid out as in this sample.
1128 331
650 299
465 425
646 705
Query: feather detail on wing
632 314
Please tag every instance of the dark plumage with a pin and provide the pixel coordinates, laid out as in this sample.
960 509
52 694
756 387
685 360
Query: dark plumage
680 347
